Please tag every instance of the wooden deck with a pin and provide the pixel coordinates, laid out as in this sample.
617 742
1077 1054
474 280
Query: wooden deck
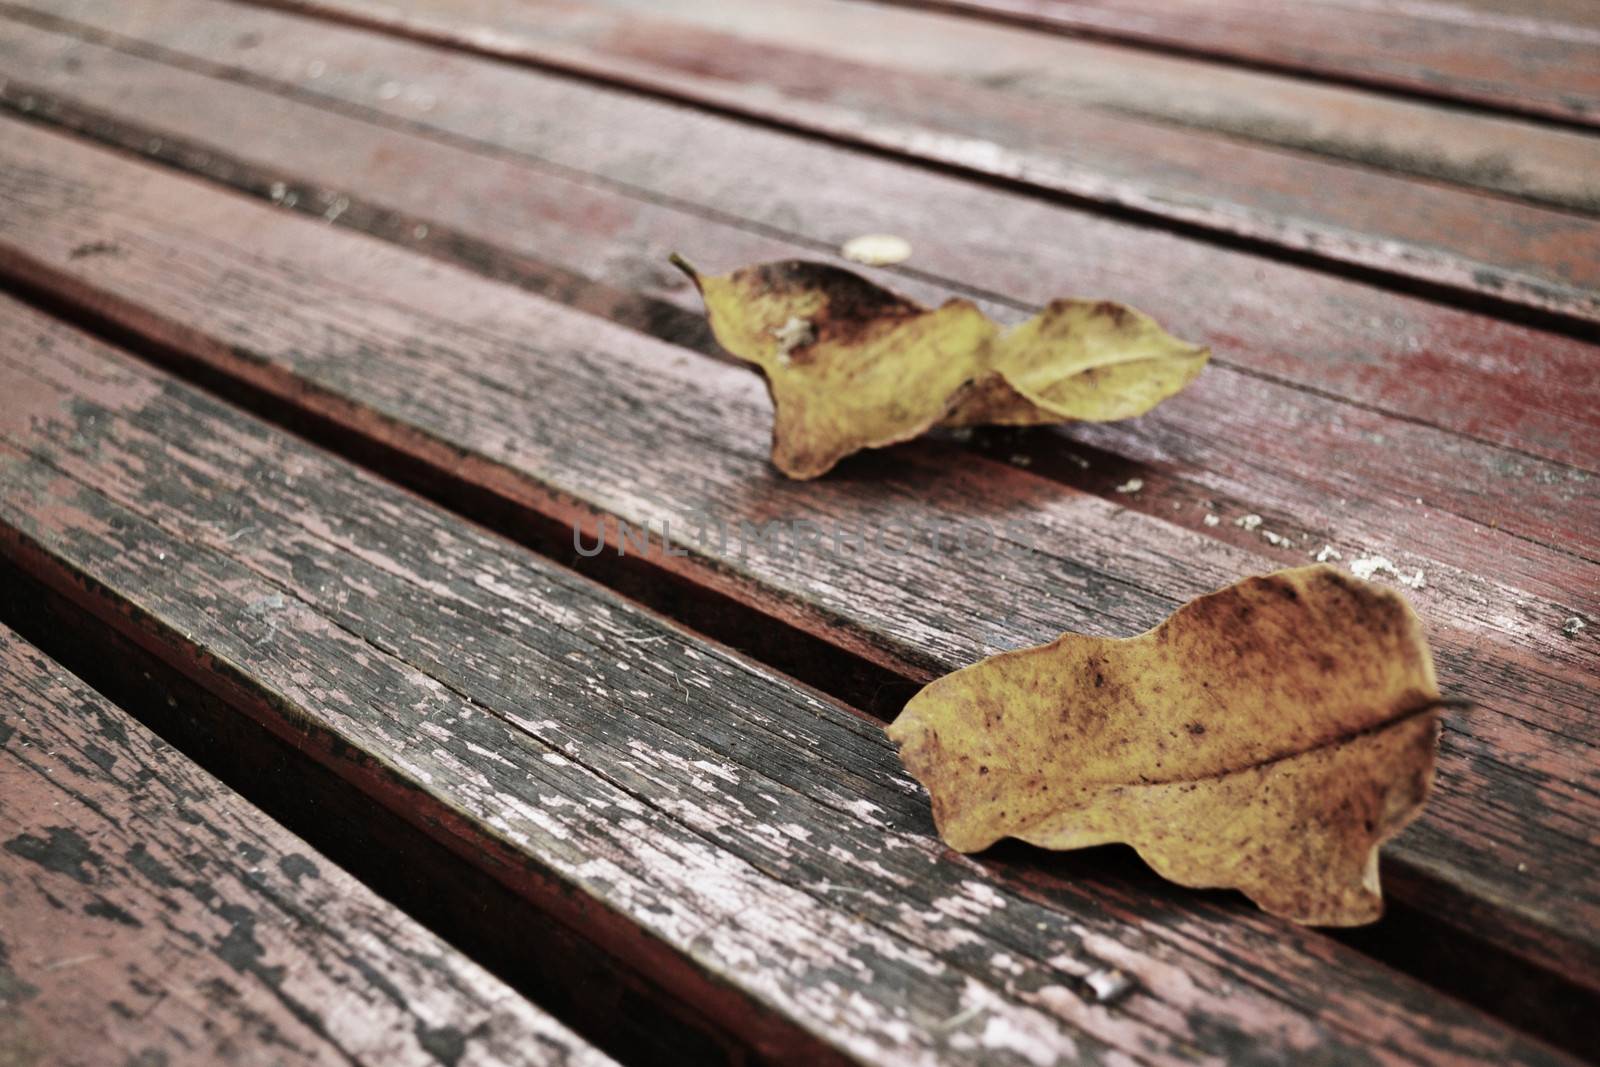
329 325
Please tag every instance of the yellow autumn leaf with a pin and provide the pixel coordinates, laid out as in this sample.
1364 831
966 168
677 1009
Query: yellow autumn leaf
1084 360
851 365
1267 737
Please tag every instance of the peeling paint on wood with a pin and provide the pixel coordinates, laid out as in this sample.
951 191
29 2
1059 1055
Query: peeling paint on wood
148 912
733 832
543 204
439 363
1333 213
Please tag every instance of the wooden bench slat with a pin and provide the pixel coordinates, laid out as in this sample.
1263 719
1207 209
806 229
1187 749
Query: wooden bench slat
150 915
1376 221
461 373
779 43
604 761
1537 58
484 197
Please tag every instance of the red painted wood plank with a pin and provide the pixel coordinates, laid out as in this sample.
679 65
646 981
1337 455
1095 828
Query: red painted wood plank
494 203
1526 160
463 374
150 915
601 760
1534 58
1339 215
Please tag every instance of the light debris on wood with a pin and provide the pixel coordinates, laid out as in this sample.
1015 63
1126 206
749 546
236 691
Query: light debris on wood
1326 553
1277 539
1132 485
1369 566
1212 520
1108 985
1021 460
1573 626
1247 522
876 249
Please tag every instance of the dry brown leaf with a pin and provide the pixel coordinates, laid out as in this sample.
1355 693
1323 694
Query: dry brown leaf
1267 737
851 365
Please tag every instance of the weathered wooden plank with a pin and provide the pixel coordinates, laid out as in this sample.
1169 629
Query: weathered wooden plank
741 42
1535 58
599 755
486 198
1335 214
462 375
150 915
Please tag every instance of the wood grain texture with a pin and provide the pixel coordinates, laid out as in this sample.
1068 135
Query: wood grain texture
1354 216
609 764
992 63
1537 58
149 915
463 375
501 171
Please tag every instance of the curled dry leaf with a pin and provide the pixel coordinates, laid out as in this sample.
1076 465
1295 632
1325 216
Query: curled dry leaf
851 365
1267 737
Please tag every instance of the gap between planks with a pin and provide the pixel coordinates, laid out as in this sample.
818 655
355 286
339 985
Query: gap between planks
1421 262
150 911
1169 31
1406 343
597 993
155 428
455 464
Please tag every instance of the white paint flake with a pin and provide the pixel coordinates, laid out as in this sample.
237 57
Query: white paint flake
1001 1034
866 811
1108 984
1369 566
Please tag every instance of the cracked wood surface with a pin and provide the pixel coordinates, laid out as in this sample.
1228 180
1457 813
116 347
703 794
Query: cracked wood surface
1361 216
496 167
459 372
149 913
764 842
1538 57
840 38
735 831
